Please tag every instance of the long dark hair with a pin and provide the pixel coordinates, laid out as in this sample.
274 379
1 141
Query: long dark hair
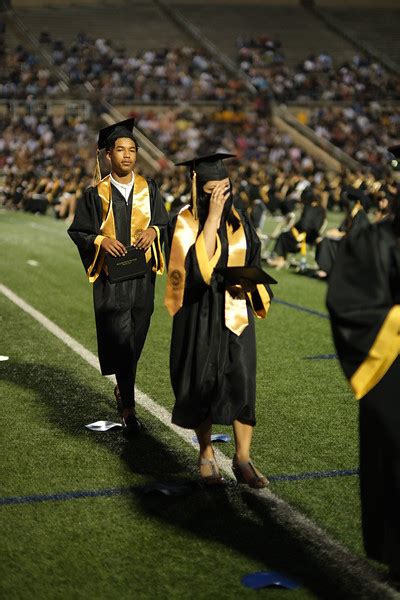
395 212
203 204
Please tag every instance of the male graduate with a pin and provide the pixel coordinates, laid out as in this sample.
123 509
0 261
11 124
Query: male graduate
364 304
121 210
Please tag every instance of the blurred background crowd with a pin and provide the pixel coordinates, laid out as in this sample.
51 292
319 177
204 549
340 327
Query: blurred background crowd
340 116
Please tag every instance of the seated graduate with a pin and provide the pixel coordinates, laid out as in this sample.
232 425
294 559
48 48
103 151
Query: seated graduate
121 210
364 304
213 350
327 248
305 231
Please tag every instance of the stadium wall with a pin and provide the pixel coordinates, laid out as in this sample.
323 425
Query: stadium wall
318 3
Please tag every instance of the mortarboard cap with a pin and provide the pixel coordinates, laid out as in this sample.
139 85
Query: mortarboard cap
203 169
234 275
209 167
109 134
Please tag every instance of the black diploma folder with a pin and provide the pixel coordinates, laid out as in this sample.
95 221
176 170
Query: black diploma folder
234 275
130 266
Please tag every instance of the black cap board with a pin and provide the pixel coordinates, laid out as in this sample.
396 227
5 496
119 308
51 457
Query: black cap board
209 167
109 134
233 275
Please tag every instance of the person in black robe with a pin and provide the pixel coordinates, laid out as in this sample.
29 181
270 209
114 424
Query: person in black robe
327 248
305 231
364 304
123 209
213 351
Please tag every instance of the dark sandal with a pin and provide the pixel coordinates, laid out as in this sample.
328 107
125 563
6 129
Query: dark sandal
246 472
215 478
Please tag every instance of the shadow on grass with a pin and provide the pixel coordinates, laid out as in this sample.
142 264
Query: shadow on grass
244 521
71 405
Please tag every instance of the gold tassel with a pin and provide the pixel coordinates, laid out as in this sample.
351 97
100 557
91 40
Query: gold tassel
97 171
194 195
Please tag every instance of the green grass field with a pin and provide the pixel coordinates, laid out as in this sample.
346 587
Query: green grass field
132 545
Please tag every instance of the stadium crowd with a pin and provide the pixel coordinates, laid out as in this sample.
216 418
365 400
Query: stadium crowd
24 76
362 129
45 161
52 157
314 78
363 132
154 75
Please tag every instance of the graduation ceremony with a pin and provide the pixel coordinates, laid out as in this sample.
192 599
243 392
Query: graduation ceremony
200 299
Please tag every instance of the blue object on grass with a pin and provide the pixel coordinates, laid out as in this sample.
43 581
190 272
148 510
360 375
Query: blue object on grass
321 357
262 579
216 437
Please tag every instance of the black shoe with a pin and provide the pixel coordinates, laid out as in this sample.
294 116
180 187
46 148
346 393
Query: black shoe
131 425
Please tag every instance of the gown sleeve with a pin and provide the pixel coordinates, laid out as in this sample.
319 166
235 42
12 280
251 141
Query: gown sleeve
365 319
85 228
260 298
159 222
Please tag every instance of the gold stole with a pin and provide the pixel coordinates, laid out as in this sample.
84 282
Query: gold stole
300 239
185 235
140 220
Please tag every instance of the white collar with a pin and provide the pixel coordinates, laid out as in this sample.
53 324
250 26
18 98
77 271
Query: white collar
123 185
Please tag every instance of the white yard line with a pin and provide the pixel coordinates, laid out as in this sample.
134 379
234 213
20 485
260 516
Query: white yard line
141 398
351 570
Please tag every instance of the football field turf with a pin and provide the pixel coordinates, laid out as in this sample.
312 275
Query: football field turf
75 520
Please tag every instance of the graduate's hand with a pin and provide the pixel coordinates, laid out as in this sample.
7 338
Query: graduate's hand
219 196
113 247
146 238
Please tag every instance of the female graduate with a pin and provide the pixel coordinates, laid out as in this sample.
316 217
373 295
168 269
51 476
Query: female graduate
213 351
364 304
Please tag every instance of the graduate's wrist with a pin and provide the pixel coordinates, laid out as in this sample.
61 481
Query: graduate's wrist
214 220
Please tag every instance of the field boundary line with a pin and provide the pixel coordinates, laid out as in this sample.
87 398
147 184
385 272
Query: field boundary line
354 572
141 398
116 491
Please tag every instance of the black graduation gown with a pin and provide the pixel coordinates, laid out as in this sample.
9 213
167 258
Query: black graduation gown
310 222
327 249
364 304
213 371
122 310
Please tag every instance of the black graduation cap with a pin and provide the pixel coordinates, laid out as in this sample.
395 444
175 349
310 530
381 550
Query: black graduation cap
111 133
234 275
209 167
108 135
205 168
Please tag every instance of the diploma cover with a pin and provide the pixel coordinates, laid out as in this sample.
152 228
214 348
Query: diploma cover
130 266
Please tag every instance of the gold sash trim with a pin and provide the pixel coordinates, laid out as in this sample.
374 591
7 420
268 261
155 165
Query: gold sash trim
383 353
185 233
236 318
140 220
300 239
186 230
260 301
